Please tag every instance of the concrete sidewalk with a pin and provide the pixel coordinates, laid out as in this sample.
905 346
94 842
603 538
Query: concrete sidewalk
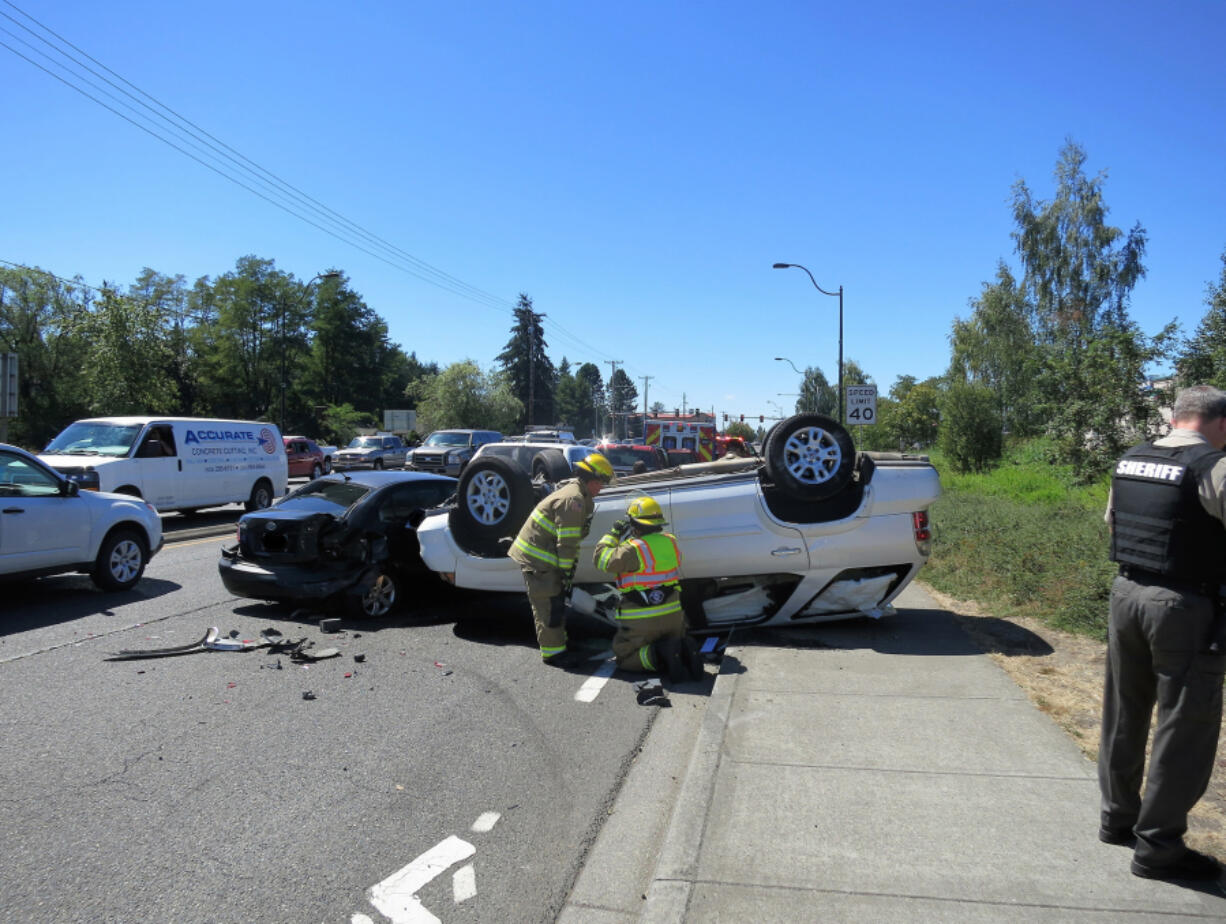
883 771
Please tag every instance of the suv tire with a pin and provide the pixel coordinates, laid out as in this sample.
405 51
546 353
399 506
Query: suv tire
493 499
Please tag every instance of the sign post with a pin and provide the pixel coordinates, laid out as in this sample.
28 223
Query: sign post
861 404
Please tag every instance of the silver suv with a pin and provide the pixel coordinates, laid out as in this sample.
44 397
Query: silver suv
446 452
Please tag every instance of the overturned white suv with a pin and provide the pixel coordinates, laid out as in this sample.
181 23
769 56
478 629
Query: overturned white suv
812 531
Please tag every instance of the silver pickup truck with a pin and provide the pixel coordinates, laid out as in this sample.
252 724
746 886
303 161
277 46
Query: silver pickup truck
382 450
812 531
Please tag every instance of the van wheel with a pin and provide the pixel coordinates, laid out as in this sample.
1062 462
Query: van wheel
327 465
316 471
121 560
128 490
261 496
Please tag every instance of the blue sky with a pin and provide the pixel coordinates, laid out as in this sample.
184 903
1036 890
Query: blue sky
635 168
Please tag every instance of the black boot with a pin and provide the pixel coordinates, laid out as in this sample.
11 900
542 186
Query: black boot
693 658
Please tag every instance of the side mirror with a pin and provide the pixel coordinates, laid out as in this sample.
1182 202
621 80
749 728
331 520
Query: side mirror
71 489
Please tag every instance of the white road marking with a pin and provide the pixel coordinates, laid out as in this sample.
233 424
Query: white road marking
360 918
486 822
464 883
396 896
593 685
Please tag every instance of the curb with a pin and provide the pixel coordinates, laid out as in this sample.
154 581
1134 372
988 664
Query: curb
677 864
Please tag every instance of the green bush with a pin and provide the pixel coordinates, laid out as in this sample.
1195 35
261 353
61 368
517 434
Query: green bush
1024 541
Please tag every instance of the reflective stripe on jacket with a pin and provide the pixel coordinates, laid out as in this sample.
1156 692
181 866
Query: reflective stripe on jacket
648 574
550 536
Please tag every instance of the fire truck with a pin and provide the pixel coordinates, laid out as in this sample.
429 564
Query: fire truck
681 431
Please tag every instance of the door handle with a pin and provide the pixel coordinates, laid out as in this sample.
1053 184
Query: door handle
785 551
14 510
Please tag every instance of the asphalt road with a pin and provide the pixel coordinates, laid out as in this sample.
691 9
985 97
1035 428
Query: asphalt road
449 765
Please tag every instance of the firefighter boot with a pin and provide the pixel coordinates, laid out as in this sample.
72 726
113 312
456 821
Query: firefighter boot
693 658
669 656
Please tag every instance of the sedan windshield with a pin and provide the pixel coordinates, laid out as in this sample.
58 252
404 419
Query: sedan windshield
326 494
85 438
446 438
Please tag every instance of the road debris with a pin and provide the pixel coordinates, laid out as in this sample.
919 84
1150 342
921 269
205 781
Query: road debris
651 693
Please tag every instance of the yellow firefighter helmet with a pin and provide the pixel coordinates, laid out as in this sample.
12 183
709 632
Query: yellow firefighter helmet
645 511
595 466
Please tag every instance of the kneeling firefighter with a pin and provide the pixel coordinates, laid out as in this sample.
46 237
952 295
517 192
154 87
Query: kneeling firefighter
650 623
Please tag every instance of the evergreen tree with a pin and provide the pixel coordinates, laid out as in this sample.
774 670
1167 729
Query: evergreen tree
527 368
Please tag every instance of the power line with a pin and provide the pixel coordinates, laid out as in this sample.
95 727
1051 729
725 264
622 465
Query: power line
207 147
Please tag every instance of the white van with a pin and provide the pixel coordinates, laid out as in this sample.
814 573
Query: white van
174 463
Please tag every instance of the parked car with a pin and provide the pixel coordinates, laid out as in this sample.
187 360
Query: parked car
545 460
329 452
344 541
813 531
48 525
446 452
623 456
304 458
382 450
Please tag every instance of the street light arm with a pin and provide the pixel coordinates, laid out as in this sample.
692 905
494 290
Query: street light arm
784 359
840 296
807 273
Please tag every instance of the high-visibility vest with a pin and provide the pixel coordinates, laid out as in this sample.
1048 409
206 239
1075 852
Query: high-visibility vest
654 589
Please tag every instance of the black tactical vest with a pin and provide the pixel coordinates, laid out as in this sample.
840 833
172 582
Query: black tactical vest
1157 521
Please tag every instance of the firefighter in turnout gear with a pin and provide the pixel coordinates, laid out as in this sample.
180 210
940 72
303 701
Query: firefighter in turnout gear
1167 513
547 550
651 633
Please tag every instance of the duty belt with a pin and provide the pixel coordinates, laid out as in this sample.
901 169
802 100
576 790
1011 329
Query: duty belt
1145 576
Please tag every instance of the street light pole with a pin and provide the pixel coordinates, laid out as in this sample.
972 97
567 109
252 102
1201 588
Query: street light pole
284 350
824 292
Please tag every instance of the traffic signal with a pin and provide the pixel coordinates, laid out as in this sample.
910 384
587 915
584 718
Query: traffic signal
742 418
761 418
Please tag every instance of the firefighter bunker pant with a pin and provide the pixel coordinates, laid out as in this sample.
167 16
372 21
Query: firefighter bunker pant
634 638
548 609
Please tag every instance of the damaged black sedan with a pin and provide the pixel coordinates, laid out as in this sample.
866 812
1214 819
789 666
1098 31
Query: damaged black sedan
340 542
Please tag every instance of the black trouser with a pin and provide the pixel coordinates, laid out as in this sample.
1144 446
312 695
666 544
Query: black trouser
1156 653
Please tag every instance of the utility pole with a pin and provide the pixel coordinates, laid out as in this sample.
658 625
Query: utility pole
646 379
614 363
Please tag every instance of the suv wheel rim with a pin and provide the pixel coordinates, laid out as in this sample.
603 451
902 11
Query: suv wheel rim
488 498
812 455
125 560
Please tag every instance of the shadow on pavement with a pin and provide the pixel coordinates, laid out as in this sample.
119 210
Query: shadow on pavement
71 596
912 632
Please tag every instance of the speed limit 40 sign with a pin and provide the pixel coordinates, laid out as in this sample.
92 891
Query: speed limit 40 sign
861 404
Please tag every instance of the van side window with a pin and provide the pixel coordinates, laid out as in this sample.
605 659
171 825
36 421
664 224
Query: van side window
158 442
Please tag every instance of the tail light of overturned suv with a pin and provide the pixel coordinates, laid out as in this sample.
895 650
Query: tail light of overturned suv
812 531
